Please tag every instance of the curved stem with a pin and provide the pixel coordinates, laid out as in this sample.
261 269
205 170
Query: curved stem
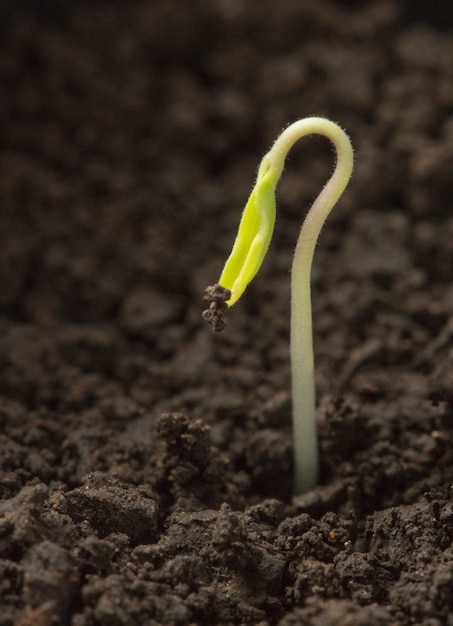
302 361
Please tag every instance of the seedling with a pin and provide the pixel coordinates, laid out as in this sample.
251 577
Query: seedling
249 249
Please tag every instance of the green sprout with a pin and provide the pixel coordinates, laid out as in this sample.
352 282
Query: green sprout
249 249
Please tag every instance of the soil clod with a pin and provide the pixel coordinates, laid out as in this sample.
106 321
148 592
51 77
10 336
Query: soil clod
217 296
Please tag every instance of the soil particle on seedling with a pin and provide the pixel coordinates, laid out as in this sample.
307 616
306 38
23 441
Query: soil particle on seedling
217 296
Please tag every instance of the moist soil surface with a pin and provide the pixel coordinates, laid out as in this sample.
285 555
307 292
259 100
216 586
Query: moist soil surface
146 462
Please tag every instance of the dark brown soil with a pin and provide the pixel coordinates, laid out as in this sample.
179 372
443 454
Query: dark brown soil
146 461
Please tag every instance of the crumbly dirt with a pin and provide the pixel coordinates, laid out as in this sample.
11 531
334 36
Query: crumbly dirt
217 296
146 462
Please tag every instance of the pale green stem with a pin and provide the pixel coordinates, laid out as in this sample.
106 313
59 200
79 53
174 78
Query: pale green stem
302 361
